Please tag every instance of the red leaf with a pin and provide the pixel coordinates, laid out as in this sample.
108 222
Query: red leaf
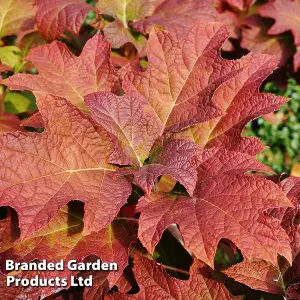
53 17
241 94
257 274
256 39
177 83
112 246
124 284
4 68
290 221
261 275
63 74
131 120
29 292
63 240
228 162
234 203
8 231
65 162
292 274
118 35
288 216
156 283
9 123
286 15
35 121
101 287
178 16
240 98
178 158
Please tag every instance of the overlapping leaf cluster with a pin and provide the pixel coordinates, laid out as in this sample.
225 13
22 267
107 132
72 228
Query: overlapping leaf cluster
270 27
142 148
280 278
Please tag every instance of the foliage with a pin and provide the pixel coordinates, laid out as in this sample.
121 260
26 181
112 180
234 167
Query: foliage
264 27
120 138
279 277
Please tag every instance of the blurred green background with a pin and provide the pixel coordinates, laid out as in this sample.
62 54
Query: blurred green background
280 131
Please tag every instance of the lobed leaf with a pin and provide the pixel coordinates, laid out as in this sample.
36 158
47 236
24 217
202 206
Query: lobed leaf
63 74
182 77
177 16
235 203
118 35
290 222
286 15
182 116
65 162
256 39
276 278
257 274
286 18
289 216
219 161
63 239
155 283
53 17
176 158
240 98
131 120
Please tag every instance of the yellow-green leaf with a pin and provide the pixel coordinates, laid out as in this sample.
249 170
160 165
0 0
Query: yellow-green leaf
17 103
10 56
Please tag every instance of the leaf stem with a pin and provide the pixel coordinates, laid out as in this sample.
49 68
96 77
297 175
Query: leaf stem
127 219
176 270
2 97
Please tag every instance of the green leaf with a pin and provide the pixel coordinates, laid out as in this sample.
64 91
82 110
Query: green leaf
10 55
17 103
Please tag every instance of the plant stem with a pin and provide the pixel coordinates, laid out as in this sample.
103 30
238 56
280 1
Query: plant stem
127 219
176 270
2 97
